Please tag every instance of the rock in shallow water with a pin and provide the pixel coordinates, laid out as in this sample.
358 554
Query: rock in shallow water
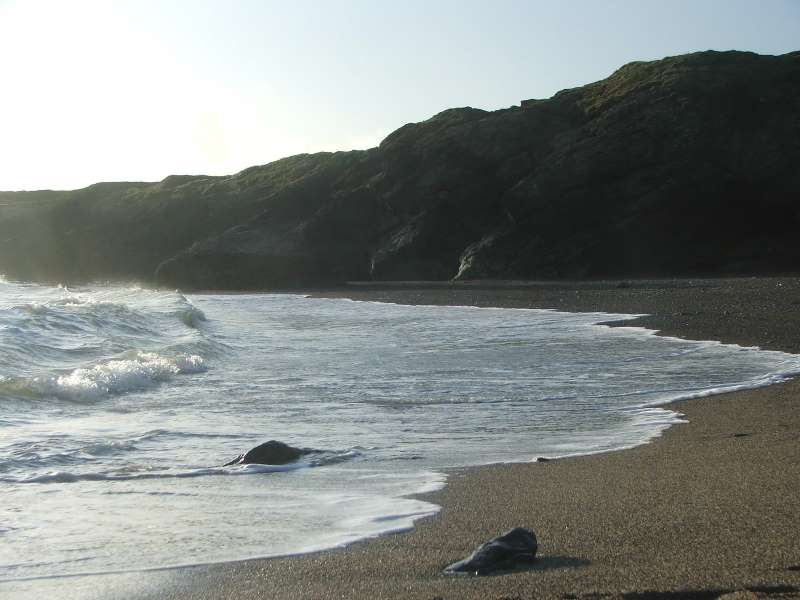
272 452
513 549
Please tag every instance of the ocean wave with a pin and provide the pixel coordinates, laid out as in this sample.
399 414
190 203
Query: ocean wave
320 459
192 317
71 477
331 458
113 308
108 448
38 456
158 433
80 311
775 378
133 371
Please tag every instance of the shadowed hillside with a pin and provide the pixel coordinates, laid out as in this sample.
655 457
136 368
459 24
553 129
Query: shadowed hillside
683 166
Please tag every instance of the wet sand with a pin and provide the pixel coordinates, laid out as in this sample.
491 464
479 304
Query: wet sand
710 507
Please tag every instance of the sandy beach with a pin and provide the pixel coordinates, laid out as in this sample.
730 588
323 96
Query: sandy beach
709 508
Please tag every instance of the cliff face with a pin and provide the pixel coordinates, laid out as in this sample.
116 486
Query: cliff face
682 166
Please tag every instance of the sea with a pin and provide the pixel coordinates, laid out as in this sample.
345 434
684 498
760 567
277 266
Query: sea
119 406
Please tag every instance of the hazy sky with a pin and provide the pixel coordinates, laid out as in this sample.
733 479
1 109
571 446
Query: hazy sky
137 90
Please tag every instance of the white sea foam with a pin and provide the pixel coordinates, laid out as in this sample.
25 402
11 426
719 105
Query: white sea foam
120 376
135 371
73 477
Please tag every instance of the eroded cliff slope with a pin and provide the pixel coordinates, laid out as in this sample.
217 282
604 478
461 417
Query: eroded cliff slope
682 166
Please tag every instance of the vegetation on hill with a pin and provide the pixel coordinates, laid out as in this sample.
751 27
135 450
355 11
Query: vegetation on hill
682 166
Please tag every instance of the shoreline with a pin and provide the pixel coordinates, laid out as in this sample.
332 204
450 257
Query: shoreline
656 518
729 310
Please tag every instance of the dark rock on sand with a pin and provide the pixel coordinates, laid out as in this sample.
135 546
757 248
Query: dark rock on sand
684 166
515 548
270 453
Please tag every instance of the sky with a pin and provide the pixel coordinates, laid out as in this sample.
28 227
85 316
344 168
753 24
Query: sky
120 90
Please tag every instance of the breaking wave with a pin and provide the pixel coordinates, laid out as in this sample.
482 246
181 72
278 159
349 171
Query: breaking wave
133 371
87 344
